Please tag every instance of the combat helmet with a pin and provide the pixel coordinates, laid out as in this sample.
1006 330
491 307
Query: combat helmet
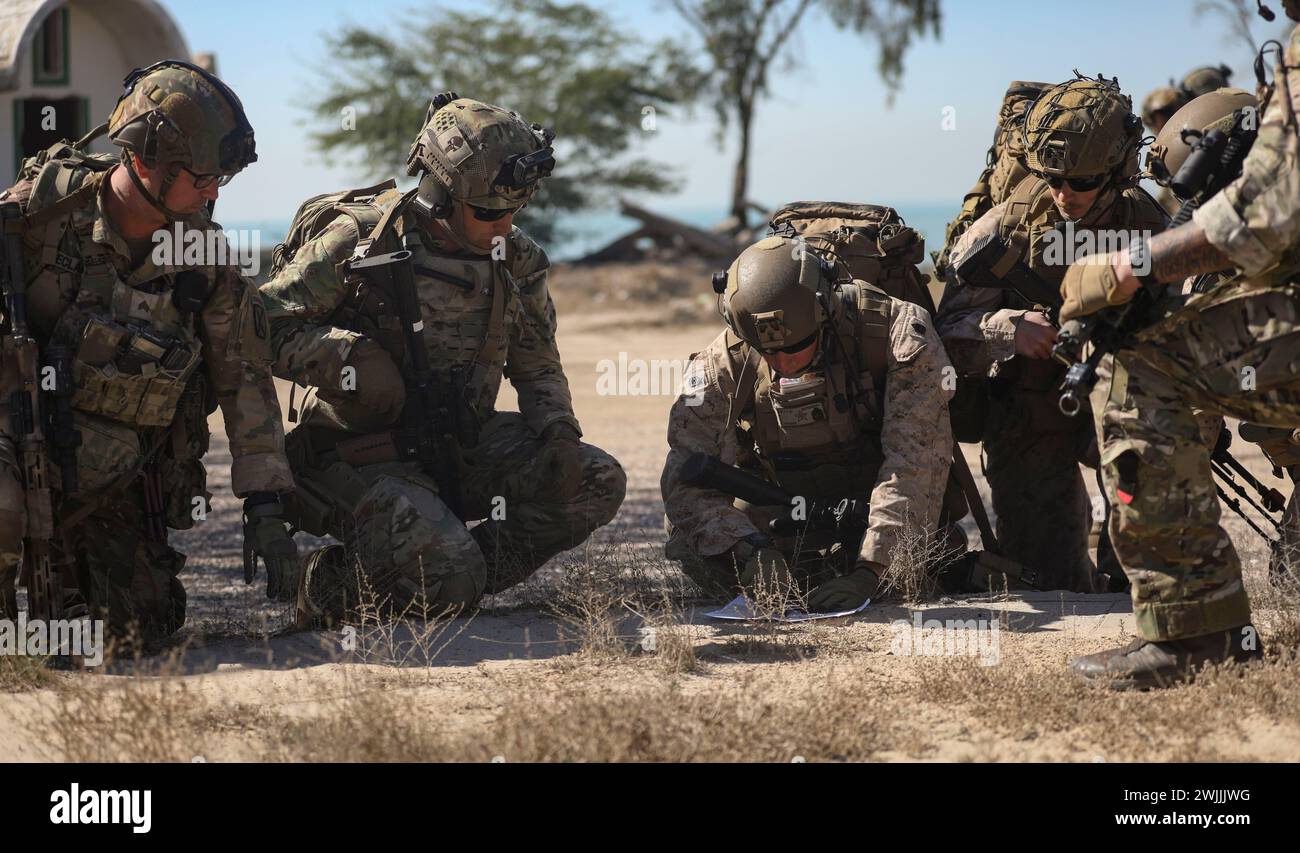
1082 128
1216 110
177 115
477 153
1159 105
1204 80
776 294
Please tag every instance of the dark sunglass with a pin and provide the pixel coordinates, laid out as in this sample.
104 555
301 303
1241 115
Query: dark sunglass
1079 185
202 182
487 214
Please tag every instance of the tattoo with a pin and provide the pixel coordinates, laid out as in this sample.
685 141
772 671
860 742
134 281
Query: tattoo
1184 251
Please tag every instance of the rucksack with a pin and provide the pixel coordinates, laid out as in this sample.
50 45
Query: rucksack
1003 170
319 211
871 241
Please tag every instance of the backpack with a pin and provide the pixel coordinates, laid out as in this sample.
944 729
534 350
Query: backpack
1003 170
871 241
317 212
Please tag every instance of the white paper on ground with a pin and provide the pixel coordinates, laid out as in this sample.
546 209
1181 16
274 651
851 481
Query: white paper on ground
739 610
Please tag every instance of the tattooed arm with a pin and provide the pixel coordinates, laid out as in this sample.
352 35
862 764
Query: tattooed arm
1175 255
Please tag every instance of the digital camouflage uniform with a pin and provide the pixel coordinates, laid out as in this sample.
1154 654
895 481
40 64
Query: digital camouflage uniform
890 448
85 290
1033 451
485 318
1232 351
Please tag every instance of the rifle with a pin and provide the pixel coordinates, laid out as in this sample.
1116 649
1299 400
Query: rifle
990 263
847 518
424 433
1214 162
44 582
1223 464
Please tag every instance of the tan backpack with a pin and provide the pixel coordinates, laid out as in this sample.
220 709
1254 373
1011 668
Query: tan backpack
871 241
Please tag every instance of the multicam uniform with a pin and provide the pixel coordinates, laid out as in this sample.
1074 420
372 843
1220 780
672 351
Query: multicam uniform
1234 351
88 289
485 318
1033 450
889 447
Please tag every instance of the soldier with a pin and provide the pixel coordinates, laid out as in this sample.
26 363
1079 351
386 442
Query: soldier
1281 446
158 343
400 443
1160 104
1232 350
1081 143
827 389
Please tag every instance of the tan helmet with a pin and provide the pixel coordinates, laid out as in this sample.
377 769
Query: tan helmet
481 154
1217 110
1159 105
1204 80
1082 128
776 294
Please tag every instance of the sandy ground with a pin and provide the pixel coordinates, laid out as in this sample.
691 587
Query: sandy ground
470 677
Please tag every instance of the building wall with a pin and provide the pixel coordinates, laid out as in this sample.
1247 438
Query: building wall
97 65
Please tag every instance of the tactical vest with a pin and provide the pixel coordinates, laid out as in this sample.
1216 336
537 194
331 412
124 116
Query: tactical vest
819 434
1030 214
136 351
468 304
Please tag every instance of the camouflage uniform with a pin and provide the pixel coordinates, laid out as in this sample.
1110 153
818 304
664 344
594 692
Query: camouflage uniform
1235 351
1032 450
890 449
141 425
485 318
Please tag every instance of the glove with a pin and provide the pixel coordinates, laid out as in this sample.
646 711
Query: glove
847 592
266 535
766 571
560 460
1089 286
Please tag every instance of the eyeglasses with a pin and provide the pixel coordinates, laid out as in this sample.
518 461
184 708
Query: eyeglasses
1079 185
488 214
202 182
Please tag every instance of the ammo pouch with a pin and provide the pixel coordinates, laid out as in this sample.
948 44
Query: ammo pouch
131 374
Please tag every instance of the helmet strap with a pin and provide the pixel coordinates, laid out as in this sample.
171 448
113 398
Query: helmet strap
156 201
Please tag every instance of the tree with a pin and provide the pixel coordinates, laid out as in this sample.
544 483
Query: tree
563 65
742 38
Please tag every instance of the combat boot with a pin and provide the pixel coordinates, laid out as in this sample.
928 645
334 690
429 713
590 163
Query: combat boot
1144 664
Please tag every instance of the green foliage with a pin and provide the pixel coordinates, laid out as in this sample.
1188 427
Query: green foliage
743 38
564 65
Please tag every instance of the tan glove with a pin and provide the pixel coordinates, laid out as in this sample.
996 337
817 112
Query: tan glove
1089 286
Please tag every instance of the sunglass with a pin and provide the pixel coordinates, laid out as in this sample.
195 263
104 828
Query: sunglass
487 214
202 182
1079 185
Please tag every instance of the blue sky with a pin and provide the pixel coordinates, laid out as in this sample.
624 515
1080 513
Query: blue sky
825 132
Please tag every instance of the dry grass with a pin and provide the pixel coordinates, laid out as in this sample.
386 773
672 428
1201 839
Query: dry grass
915 561
19 673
